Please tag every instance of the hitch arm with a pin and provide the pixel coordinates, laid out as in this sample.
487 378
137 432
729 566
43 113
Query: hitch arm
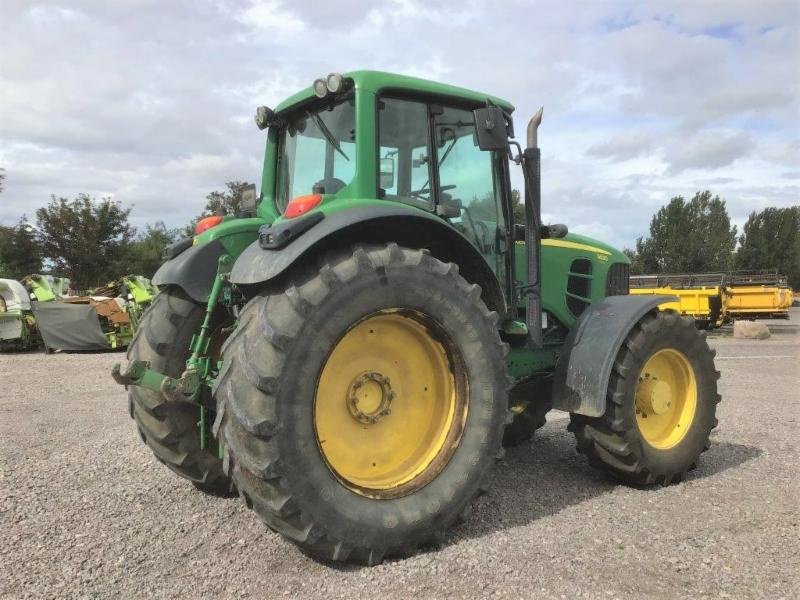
184 389
138 372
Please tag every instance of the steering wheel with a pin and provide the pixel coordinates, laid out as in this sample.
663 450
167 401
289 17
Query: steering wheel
331 185
418 193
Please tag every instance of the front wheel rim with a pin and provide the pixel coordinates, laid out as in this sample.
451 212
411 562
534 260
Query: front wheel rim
666 399
390 404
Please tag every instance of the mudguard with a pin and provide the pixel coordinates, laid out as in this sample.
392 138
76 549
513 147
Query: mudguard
584 367
390 221
193 270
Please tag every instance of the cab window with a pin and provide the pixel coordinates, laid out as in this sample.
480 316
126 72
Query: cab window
429 158
466 177
404 153
316 148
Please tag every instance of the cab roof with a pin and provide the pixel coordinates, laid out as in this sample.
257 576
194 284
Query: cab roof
380 81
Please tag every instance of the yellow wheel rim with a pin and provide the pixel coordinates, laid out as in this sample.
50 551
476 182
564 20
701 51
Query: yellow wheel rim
390 404
666 398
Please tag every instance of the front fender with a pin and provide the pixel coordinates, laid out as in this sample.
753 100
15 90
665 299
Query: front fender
582 372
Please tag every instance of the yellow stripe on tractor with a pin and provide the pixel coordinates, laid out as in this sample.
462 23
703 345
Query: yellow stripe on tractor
560 243
706 305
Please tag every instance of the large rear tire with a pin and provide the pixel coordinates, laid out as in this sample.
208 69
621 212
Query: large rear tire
170 429
661 404
361 403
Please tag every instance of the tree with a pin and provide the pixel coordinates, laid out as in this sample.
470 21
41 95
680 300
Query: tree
85 239
485 208
771 240
144 253
226 202
517 207
637 268
689 237
20 253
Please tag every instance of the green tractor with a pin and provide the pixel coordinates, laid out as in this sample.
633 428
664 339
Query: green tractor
349 351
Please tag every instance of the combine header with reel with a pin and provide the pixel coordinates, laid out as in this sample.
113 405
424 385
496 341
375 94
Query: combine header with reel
41 310
349 351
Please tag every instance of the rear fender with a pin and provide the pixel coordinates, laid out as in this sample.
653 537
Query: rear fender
269 257
193 270
582 372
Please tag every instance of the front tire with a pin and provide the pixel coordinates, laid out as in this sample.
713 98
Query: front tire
170 429
535 399
661 404
361 404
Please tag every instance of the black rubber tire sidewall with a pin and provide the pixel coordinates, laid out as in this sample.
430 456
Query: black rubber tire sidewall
477 447
684 339
170 428
317 510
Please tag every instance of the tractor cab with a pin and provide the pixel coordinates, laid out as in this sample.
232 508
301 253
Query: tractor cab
391 141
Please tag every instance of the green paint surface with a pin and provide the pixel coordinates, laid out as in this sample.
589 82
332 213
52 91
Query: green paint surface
234 234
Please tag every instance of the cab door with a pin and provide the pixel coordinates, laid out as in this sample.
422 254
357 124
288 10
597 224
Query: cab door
430 159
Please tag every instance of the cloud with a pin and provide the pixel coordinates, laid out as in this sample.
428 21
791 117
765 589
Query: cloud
152 101
708 151
624 146
271 18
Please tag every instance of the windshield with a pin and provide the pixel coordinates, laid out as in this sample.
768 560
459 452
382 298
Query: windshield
316 152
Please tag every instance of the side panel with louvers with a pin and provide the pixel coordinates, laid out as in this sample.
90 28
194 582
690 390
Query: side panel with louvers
579 286
618 280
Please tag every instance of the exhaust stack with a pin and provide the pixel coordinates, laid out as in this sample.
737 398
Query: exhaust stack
531 169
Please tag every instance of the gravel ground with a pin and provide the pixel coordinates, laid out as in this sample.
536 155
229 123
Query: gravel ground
86 511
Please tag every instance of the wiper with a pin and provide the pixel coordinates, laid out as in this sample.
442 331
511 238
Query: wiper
328 135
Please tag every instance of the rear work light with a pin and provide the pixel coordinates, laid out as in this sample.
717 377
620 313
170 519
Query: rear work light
301 205
207 223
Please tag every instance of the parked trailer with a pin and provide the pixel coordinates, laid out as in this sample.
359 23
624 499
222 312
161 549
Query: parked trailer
759 302
706 305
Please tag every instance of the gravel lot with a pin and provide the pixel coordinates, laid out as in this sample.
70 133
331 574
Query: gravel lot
86 511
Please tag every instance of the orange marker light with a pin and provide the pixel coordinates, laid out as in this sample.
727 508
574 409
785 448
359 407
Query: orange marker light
207 223
301 204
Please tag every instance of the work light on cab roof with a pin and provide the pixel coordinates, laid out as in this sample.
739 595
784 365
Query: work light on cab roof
333 83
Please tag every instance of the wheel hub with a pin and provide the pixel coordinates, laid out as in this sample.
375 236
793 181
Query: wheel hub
654 397
369 397
666 398
391 404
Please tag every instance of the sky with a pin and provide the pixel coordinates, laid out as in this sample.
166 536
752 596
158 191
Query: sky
152 102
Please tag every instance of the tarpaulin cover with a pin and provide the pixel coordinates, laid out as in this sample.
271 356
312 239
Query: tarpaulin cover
69 326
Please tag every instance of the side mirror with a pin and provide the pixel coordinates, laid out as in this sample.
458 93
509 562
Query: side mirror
249 201
491 128
387 173
265 116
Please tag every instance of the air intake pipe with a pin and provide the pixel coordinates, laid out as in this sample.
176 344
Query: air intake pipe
531 169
